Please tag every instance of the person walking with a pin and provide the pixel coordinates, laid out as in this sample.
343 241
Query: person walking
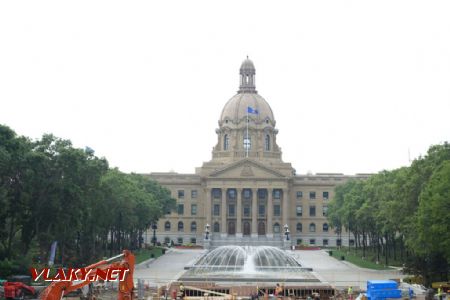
439 293
278 291
350 293
182 291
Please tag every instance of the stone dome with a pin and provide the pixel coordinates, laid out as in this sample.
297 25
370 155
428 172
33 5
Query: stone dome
247 65
236 108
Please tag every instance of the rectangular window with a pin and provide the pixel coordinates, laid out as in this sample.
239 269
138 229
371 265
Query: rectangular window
180 209
217 194
338 242
247 194
247 143
312 211
325 242
216 210
193 194
231 194
325 195
180 241
276 194
193 209
246 211
352 242
231 210
262 194
299 194
277 210
180 194
299 210
312 195
325 210
299 241
262 210
312 241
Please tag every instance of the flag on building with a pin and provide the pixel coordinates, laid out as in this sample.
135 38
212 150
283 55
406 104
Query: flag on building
251 110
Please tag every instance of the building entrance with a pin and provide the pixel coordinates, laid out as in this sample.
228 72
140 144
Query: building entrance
247 228
261 228
231 228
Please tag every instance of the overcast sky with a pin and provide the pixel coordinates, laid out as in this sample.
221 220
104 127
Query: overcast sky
355 86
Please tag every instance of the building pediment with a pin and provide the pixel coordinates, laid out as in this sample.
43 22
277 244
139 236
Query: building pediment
246 168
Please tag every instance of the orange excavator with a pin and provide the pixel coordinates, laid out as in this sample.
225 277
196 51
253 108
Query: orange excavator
58 289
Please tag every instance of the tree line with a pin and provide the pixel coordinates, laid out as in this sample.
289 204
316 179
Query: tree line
52 191
401 215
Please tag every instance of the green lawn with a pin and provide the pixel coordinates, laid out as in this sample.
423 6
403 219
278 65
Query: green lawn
144 254
357 260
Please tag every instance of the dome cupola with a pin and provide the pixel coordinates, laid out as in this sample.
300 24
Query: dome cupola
247 72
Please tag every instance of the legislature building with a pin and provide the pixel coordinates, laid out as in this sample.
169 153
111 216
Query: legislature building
246 194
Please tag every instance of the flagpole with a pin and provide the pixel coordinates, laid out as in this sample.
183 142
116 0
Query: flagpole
246 153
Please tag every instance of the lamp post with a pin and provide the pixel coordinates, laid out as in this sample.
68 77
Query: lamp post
207 231
154 227
286 231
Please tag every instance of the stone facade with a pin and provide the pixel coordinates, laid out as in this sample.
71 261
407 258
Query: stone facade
246 193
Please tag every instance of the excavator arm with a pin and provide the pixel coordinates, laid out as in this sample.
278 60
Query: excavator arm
58 289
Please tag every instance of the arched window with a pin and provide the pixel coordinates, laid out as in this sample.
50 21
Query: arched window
226 142
276 228
216 227
267 143
325 227
299 227
312 227
167 226
193 226
180 226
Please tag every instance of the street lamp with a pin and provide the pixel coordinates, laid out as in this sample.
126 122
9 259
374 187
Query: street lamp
154 227
286 231
206 231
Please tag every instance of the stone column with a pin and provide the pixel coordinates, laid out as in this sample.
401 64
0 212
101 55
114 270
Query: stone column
208 202
223 213
254 212
285 208
269 212
239 213
208 206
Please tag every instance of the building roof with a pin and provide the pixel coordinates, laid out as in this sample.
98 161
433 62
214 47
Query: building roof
247 65
236 108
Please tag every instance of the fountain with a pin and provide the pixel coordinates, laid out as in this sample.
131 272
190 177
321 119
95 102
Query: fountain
248 264
246 270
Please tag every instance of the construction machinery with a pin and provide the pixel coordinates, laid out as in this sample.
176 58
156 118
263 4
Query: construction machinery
58 289
17 290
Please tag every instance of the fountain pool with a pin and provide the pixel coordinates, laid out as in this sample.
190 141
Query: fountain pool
248 264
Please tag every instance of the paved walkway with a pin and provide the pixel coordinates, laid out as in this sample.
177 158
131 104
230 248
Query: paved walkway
168 267
340 274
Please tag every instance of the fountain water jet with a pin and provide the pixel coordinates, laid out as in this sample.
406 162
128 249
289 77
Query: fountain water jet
238 263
